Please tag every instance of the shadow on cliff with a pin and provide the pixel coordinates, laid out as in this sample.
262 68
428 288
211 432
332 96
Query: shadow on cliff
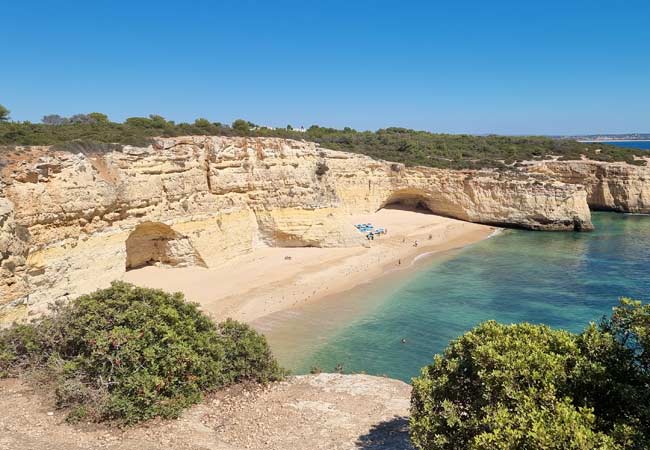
390 434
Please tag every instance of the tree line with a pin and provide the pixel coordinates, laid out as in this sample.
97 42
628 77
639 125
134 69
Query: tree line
411 147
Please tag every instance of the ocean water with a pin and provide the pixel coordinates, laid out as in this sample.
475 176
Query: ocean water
564 280
645 145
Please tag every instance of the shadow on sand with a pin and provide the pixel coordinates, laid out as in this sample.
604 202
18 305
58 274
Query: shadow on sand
390 434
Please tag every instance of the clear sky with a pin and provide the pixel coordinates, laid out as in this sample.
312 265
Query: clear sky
489 66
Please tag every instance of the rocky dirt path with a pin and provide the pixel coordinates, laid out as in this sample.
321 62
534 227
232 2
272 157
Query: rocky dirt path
313 412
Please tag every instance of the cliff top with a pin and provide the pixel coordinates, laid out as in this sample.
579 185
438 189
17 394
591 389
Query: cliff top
324 411
403 145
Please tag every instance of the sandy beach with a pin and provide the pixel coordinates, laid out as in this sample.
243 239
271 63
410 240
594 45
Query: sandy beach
269 280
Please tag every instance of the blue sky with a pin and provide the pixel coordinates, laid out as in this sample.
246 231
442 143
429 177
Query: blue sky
510 67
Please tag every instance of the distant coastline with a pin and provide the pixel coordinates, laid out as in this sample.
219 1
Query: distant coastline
609 137
640 144
595 141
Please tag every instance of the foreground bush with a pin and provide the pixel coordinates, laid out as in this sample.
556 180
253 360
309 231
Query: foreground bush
129 354
530 387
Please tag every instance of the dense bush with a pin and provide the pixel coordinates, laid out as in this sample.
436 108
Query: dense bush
128 354
527 386
460 151
4 114
403 145
321 168
95 127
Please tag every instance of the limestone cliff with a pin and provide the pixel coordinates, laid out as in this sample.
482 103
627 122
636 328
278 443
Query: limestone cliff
72 222
610 186
13 253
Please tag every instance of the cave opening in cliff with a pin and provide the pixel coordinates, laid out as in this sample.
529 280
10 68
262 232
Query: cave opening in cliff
409 205
155 243
409 201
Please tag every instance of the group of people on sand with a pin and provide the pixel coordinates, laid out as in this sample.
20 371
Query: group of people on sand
371 235
415 244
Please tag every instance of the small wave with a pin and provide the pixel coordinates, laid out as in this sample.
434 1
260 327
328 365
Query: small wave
420 256
496 232
637 214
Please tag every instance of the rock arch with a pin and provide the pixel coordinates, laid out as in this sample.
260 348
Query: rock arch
156 243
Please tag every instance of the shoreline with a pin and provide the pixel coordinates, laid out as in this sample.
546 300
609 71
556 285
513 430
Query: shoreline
270 280
300 331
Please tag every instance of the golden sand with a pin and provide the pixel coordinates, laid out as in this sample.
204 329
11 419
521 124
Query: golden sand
269 280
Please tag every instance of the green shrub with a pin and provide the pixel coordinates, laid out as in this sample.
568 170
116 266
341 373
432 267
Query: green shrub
4 114
129 354
321 168
248 356
241 126
530 387
82 146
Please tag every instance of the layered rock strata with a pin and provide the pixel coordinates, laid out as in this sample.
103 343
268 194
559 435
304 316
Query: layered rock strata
610 186
72 222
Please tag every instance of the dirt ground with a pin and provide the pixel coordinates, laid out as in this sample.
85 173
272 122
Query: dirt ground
326 411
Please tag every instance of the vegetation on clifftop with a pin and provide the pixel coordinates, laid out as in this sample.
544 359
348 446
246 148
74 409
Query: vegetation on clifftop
4 114
510 387
394 144
129 354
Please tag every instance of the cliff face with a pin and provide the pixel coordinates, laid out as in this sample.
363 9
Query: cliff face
13 253
72 222
610 186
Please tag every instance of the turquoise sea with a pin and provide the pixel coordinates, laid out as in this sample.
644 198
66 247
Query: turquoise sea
561 279
645 145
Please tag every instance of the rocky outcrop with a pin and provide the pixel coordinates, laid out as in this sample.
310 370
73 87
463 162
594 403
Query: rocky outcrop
13 253
72 222
311 412
157 243
487 197
610 186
